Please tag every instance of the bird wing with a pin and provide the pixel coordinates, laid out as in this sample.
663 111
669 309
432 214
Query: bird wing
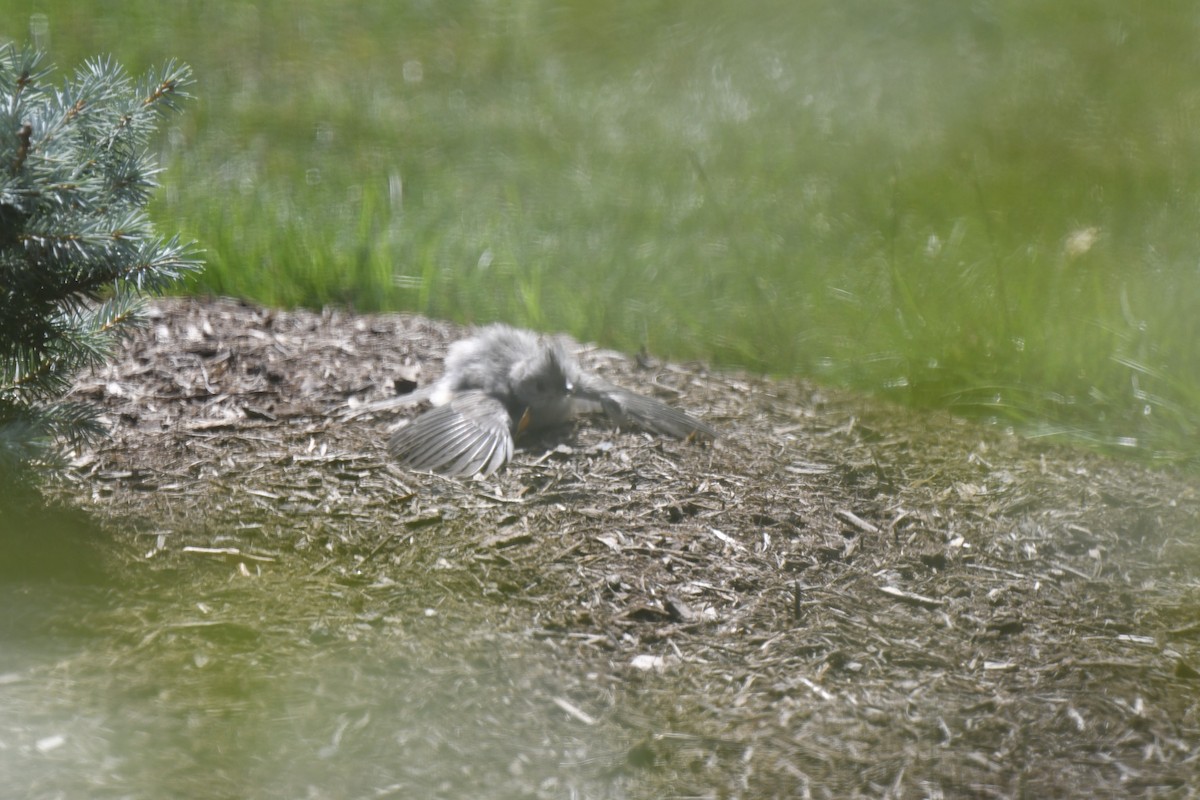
630 408
468 436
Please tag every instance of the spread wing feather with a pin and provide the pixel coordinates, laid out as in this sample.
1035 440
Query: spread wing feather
630 408
469 436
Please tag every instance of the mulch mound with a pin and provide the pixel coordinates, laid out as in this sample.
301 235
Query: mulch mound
838 598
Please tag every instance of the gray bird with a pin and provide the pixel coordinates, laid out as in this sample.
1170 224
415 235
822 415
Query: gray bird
505 381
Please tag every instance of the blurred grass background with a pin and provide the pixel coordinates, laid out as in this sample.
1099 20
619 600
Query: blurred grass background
990 207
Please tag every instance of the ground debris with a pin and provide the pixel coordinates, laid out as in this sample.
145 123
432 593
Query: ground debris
744 629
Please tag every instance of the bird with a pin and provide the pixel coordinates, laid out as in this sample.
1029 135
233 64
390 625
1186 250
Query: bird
506 381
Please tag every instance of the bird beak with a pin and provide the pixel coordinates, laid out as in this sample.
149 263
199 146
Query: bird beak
524 423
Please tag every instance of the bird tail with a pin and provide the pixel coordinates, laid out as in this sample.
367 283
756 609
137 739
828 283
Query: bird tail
421 395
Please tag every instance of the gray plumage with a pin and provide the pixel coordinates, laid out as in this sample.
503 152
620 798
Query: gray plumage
504 381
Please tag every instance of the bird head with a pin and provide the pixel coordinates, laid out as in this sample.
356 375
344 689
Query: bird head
542 387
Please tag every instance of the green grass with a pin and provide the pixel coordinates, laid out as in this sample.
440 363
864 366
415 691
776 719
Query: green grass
989 207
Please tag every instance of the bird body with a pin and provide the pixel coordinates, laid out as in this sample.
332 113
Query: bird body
504 381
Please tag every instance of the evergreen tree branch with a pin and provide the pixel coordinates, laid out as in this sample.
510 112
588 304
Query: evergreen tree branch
76 246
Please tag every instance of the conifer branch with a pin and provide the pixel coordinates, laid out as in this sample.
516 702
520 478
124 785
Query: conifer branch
76 247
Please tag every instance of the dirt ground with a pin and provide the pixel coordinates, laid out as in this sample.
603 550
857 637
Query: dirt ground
839 598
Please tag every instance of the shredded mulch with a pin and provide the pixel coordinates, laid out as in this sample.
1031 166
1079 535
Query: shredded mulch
838 598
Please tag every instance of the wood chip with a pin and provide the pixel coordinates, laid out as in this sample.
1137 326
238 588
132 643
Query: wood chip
912 597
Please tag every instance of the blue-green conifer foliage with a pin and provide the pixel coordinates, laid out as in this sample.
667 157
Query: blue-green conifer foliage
77 249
